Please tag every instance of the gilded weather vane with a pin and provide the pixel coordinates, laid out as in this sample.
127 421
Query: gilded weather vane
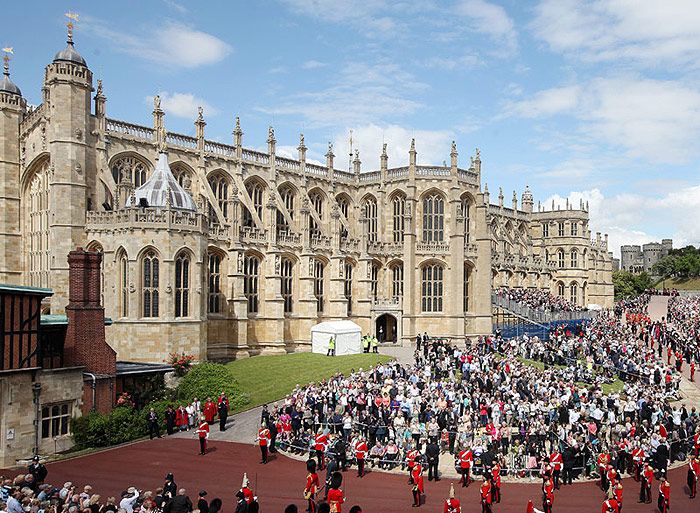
72 17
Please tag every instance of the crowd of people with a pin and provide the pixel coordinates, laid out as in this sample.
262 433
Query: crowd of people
539 299
598 399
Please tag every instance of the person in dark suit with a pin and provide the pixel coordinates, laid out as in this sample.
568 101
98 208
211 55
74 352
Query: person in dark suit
202 504
181 503
432 454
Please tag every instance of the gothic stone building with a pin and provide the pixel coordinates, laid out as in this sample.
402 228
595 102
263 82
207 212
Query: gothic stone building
222 251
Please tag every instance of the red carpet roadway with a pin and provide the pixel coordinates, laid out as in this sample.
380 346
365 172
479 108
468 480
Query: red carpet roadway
281 481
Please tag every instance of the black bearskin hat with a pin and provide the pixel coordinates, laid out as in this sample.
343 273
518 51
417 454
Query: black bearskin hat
336 480
311 465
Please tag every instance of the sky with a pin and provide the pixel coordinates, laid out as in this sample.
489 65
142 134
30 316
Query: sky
597 100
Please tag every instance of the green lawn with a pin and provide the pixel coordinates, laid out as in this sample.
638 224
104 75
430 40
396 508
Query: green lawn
679 283
269 378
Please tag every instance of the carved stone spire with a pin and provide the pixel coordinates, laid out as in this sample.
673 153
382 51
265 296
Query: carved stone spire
237 133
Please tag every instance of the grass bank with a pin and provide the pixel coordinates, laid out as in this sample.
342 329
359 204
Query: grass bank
269 378
679 283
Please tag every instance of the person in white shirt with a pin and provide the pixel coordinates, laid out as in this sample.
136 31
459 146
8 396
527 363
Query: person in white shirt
129 498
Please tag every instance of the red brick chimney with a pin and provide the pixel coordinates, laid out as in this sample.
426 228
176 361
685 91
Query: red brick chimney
85 343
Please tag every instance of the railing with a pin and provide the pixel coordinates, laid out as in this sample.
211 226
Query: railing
349 245
433 247
219 149
313 169
372 176
470 249
320 242
253 235
397 172
344 176
292 165
183 141
145 216
285 238
122 127
538 315
432 171
255 157
467 174
385 248
218 232
387 302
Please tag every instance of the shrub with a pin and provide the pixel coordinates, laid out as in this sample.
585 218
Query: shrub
209 380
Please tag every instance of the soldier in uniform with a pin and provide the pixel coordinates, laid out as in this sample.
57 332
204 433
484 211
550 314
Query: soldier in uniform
557 462
610 505
465 457
664 501
263 442
335 494
360 455
203 433
496 483
618 494
312 485
548 496
412 455
603 461
320 444
645 489
451 504
418 487
485 496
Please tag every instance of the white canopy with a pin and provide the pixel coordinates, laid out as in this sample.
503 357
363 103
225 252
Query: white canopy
346 334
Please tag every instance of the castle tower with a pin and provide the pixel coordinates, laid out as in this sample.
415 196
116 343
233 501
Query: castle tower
527 200
68 86
12 108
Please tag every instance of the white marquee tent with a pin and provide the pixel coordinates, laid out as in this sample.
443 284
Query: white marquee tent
347 336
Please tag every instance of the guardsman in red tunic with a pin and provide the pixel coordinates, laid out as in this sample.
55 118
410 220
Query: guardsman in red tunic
693 474
452 504
664 501
622 456
418 486
496 482
548 496
618 494
610 506
360 455
320 444
312 485
248 495
485 495
647 480
411 456
696 443
263 442
557 462
603 461
466 458
203 433
638 462
692 370
335 494
611 476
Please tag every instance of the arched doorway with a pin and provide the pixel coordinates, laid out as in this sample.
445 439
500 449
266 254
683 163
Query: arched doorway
385 328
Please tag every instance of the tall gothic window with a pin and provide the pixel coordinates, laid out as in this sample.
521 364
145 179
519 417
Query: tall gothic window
574 258
573 293
561 229
574 229
37 228
560 289
183 176
317 205
344 209
255 191
433 218
545 230
347 286
251 268
318 269
431 288
399 210
397 281
129 170
219 188
374 280
466 213
287 195
123 284
465 287
216 298
286 284
182 285
560 259
149 279
371 216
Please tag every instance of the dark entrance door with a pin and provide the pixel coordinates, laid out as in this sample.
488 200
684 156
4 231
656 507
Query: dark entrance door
385 328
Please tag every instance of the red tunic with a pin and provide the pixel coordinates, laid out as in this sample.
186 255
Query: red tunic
465 459
665 490
496 474
335 499
263 437
417 476
452 506
485 491
247 494
411 458
181 418
556 460
360 450
610 506
312 484
321 442
203 430
209 411
649 475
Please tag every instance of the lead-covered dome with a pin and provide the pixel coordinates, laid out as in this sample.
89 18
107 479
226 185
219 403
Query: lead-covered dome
161 190
70 54
7 85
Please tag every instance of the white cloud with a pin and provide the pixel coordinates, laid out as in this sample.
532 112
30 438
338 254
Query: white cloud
658 120
167 44
176 6
491 20
638 219
183 105
646 32
313 64
362 93
432 146
464 62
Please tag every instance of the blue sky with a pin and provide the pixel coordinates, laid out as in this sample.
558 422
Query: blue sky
581 99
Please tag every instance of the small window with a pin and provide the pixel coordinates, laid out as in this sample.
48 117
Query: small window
545 230
55 420
561 229
574 229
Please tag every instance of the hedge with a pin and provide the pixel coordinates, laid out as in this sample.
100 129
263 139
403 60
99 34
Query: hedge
125 423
